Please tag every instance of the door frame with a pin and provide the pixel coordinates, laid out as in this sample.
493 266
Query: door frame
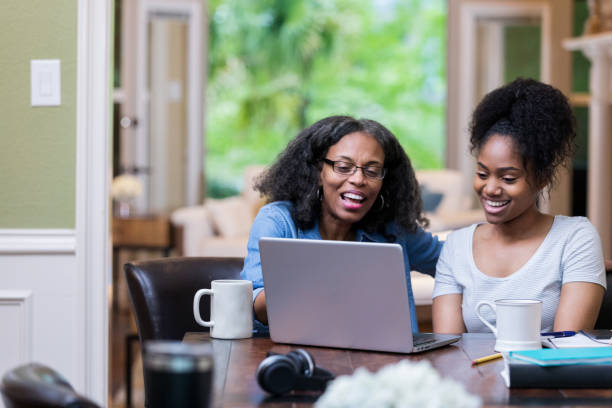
555 63
135 98
193 88
92 209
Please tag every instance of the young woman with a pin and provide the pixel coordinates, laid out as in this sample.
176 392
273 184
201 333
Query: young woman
342 179
521 133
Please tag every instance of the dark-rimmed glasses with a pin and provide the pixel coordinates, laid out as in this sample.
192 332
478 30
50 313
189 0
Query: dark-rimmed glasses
348 169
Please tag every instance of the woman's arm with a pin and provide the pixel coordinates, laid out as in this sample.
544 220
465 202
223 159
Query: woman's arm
447 315
423 251
259 307
583 279
273 220
579 306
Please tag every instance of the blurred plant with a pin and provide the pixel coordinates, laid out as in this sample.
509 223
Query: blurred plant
125 187
275 66
216 188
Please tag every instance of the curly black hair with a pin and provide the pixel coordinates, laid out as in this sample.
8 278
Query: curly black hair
294 176
537 117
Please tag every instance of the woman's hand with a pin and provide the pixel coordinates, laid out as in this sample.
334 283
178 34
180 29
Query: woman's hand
259 307
447 315
579 306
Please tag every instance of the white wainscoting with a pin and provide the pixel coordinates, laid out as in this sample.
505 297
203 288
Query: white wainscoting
41 302
16 320
31 241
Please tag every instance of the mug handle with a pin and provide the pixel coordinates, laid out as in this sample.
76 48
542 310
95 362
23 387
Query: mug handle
482 319
196 307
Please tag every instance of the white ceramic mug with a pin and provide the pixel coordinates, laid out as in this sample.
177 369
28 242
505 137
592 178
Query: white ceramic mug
231 315
519 322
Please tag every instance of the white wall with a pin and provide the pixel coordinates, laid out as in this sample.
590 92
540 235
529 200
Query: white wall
41 302
53 283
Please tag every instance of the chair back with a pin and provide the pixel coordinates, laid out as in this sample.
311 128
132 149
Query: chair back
162 291
604 320
35 385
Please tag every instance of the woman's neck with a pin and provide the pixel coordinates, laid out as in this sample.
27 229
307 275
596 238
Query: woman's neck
335 230
531 222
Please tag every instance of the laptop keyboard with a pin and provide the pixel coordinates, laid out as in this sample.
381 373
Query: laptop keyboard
419 339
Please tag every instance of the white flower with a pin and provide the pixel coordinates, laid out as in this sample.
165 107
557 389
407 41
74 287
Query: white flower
401 385
125 187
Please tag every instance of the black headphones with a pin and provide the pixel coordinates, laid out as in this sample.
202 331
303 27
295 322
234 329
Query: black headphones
296 370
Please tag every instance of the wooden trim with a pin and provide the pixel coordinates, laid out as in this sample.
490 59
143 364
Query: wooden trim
598 48
580 99
37 241
93 169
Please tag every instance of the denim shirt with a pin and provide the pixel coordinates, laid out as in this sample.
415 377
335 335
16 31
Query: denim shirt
421 249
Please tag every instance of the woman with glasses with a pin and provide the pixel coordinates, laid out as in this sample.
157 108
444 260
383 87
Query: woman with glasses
521 133
342 179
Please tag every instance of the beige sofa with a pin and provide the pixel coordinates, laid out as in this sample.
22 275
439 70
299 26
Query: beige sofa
220 227
456 209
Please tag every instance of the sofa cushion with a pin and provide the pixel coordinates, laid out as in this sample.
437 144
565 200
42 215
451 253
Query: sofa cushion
231 217
223 247
456 192
196 224
431 199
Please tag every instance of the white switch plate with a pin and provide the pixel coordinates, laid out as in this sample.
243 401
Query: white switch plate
45 83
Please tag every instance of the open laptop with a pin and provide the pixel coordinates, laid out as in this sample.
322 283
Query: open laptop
340 294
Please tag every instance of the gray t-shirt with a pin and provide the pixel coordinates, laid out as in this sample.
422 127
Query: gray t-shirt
571 252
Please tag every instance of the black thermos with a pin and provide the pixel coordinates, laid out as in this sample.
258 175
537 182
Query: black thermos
178 374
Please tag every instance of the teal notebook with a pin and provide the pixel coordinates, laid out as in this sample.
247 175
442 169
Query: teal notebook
565 356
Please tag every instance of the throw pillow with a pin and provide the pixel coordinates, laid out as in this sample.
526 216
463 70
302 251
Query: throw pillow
231 217
431 199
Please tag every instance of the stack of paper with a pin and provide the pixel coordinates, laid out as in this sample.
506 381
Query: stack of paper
579 340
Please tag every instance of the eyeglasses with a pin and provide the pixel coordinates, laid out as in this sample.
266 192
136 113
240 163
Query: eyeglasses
348 169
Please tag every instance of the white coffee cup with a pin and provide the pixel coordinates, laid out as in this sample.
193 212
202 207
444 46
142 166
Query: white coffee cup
519 322
231 315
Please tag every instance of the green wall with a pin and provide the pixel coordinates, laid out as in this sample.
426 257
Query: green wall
522 52
37 144
580 83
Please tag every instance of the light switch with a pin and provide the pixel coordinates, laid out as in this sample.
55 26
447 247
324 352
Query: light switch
45 83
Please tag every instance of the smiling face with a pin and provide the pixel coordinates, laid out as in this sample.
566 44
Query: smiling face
505 187
348 198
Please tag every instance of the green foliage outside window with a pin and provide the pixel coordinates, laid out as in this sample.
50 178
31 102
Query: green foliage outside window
276 66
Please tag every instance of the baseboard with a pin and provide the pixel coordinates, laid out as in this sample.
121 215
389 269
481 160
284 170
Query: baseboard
37 241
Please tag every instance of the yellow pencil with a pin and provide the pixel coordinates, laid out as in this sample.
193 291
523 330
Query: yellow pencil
486 358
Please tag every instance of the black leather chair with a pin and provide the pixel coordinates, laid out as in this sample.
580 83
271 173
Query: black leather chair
161 292
604 320
36 386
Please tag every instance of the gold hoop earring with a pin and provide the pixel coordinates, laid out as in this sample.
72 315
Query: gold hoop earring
382 202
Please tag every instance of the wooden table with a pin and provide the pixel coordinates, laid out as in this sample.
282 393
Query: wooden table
145 232
138 233
135 233
237 360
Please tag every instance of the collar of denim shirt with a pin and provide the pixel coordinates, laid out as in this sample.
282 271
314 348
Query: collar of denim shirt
362 236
